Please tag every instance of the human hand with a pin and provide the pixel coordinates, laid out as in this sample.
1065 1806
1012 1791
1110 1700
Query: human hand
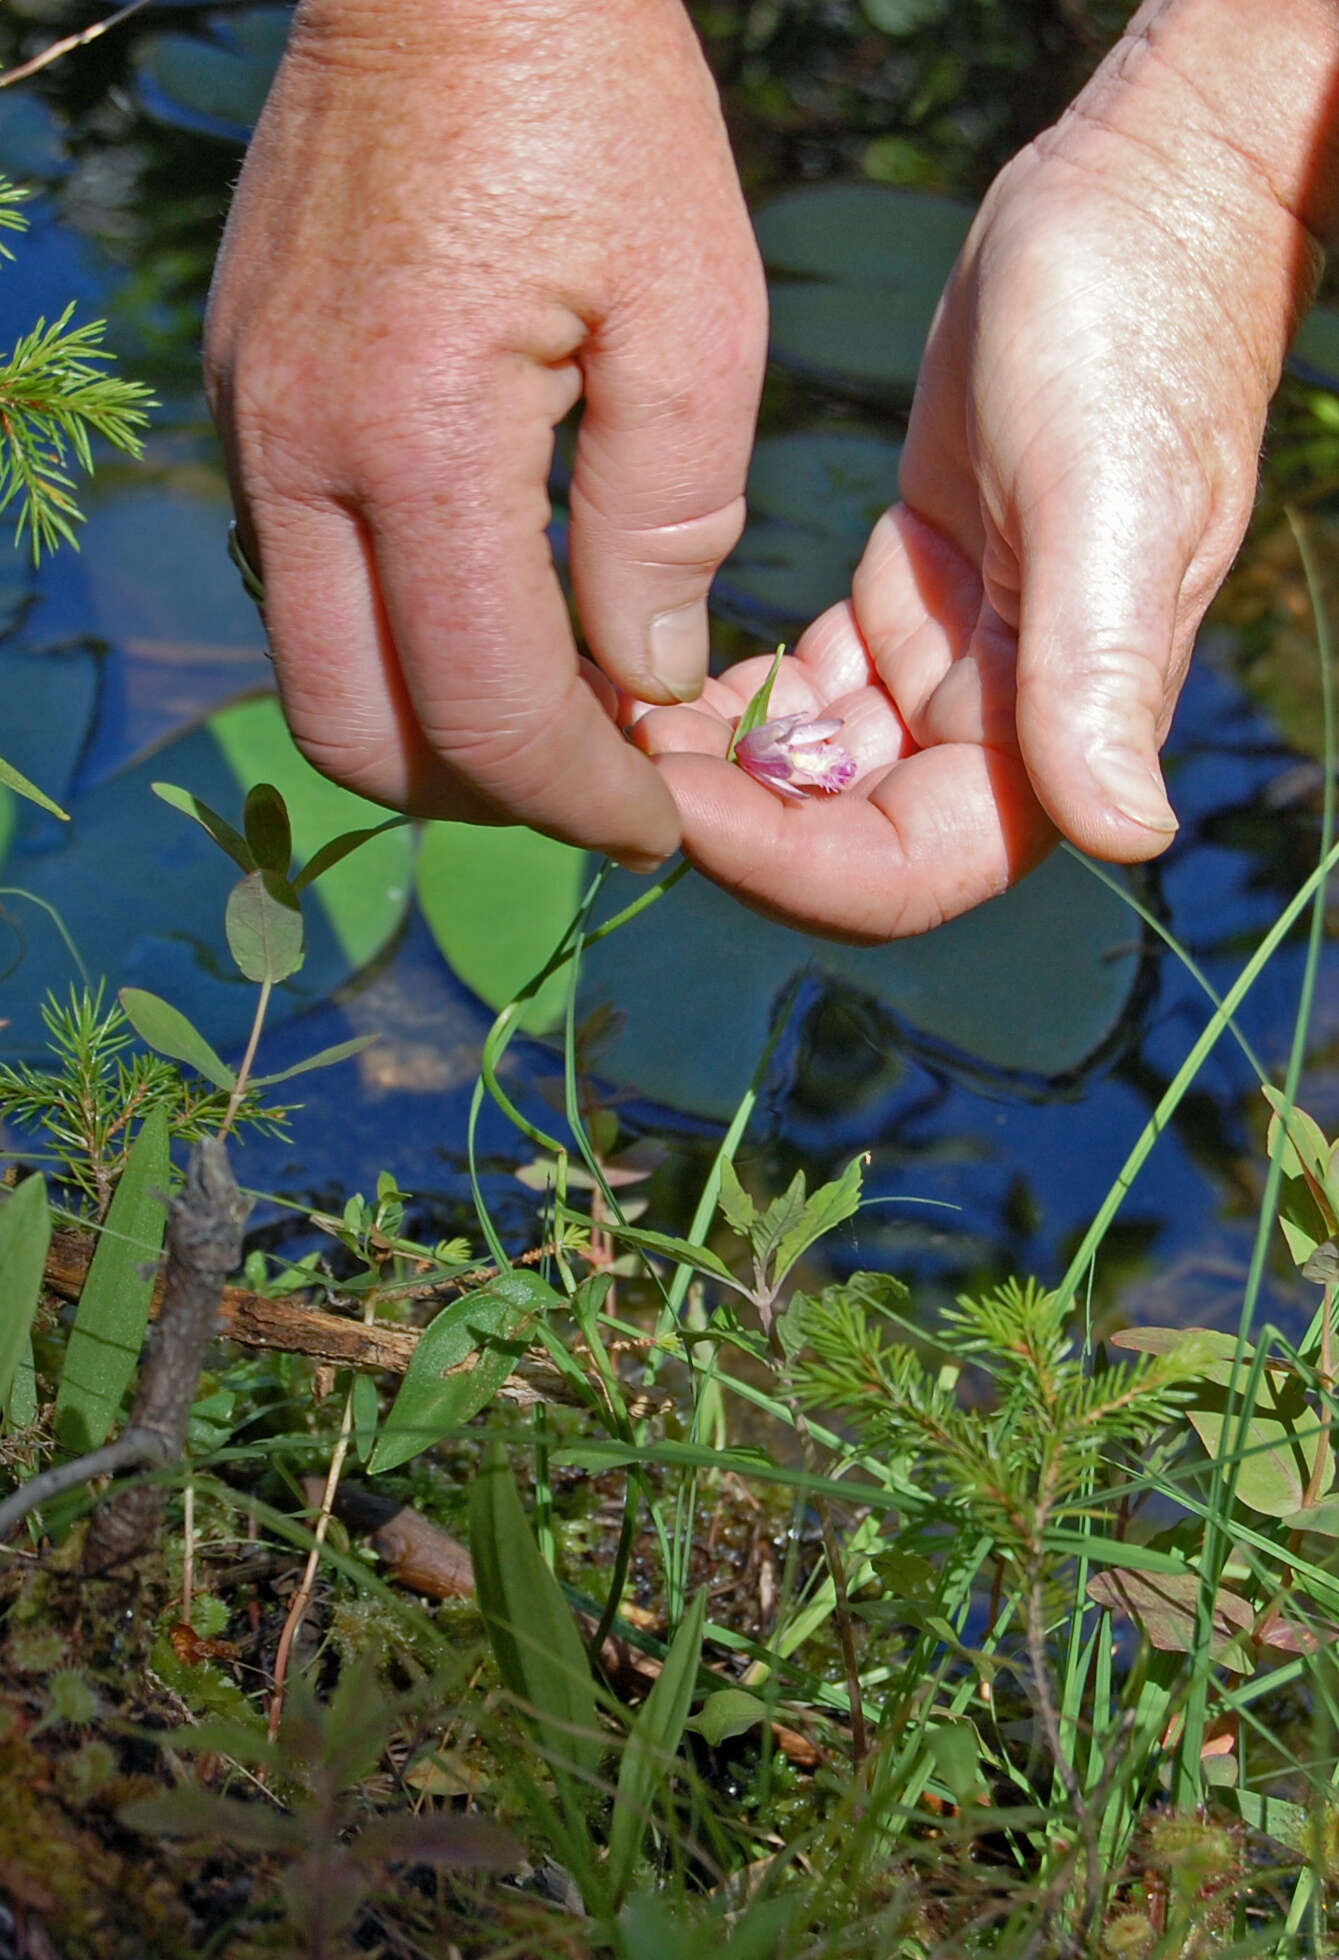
1079 471
453 222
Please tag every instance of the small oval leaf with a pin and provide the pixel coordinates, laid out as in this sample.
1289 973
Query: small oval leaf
268 831
164 1027
264 926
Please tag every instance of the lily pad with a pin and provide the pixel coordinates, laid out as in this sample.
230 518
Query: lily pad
214 82
813 498
1029 988
143 892
855 273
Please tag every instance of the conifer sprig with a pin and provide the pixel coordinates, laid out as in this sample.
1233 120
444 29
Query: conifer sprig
55 395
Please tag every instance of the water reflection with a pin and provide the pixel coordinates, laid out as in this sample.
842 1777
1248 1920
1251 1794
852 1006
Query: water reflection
973 1169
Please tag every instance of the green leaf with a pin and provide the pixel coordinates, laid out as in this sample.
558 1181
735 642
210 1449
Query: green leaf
534 1637
218 828
955 1749
1206 1352
164 1027
828 1206
14 779
25 1234
366 1415
498 901
1164 1607
341 847
682 1251
779 1218
728 1713
22 1405
1276 1450
755 713
737 1207
269 834
113 1312
264 927
431 1401
648 1756
323 1058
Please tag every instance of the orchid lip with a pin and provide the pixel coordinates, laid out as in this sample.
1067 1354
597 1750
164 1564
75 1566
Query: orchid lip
795 757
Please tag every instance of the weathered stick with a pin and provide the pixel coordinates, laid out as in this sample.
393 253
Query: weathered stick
204 1245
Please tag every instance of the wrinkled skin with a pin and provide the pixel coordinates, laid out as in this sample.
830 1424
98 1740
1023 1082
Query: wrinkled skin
1079 472
549 209
453 222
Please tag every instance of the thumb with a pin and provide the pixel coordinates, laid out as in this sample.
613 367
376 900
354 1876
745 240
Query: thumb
658 486
1102 650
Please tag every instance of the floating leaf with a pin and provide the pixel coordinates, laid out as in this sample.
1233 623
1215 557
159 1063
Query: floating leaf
113 1310
264 927
650 1750
25 1234
498 902
164 1027
534 1637
269 834
866 267
432 1402
1164 1607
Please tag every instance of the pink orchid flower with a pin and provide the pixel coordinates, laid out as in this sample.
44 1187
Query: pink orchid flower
793 756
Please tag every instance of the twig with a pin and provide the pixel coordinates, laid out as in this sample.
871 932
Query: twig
69 44
134 1449
301 1599
204 1245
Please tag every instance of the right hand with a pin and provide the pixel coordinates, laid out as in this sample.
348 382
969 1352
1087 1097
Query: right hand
452 223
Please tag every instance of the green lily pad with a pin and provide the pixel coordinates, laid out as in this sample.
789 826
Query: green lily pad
813 498
855 274
217 84
143 891
1031 986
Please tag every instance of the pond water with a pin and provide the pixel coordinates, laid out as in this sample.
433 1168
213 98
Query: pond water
997 1072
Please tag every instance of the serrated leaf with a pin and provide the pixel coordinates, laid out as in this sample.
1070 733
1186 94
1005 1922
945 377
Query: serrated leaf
737 1207
187 1813
25 1234
755 713
222 832
340 847
828 1206
113 1310
650 1750
728 1713
264 927
165 1028
1164 1607
780 1217
431 1401
534 1637
269 834
14 779
323 1058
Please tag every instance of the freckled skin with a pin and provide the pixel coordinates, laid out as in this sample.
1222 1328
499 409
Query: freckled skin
458 217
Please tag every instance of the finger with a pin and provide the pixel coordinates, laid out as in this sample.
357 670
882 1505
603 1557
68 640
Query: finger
941 832
343 694
481 631
916 603
672 383
1101 655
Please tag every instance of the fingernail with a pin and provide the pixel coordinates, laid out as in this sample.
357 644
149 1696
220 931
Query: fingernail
679 647
635 861
1134 788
